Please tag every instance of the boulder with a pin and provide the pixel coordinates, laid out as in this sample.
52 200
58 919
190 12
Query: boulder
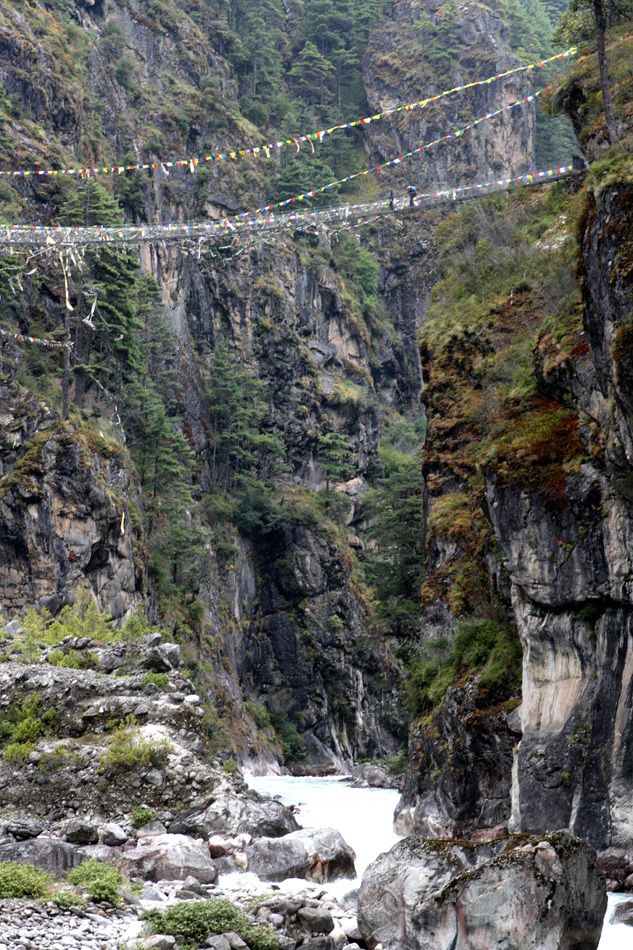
13 628
151 828
163 658
171 652
170 857
113 835
286 942
226 814
315 854
157 662
319 943
80 832
315 919
235 941
516 893
374 776
623 913
23 828
48 854
220 846
218 942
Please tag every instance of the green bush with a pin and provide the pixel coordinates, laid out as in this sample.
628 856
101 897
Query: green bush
159 753
66 899
292 746
229 766
28 729
23 880
16 753
258 713
192 922
83 619
398 763
157 679
73 659
100 880
60 758
142 815
128 750
22 725
480 645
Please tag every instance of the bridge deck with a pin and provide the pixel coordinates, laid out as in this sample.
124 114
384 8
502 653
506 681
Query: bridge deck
321 220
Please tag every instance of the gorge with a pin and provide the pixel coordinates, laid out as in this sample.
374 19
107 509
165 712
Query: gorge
347 493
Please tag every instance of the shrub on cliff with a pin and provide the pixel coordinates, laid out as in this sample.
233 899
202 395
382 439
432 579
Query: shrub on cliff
128 750
73 659
480 645
83 619
191 923
292 746
23 880
22 725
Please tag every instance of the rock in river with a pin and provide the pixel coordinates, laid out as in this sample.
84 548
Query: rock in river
231 814
517 893
315 854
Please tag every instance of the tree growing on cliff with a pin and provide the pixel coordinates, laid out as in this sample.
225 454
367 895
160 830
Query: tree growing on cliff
335 456
586 20
241 451
107 339
395 565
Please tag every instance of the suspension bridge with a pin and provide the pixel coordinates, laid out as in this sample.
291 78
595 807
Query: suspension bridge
318 221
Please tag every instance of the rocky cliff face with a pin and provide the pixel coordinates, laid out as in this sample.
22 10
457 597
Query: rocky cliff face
559 507
287 607
423 51
65 513
571 577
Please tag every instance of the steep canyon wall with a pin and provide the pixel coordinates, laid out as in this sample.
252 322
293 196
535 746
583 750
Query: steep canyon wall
286 606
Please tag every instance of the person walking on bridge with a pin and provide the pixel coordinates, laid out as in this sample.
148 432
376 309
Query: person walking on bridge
392 199
411 191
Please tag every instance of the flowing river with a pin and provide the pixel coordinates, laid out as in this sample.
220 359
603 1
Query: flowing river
364 816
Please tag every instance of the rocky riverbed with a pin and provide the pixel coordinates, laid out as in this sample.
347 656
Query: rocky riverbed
132 784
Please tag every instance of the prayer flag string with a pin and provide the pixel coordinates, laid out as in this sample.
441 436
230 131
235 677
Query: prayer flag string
23 338
265 150
54 236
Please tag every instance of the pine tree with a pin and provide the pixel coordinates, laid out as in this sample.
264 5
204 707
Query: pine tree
107 342
395 567
586 20
241 451
335 456
312 76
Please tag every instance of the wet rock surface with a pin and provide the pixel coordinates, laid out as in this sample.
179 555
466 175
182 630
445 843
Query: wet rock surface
316 854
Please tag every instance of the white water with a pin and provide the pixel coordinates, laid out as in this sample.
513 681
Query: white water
364 816
615 936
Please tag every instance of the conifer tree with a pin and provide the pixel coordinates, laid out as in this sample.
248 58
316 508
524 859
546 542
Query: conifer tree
312 75
241 451
107 342
585 20
335 456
